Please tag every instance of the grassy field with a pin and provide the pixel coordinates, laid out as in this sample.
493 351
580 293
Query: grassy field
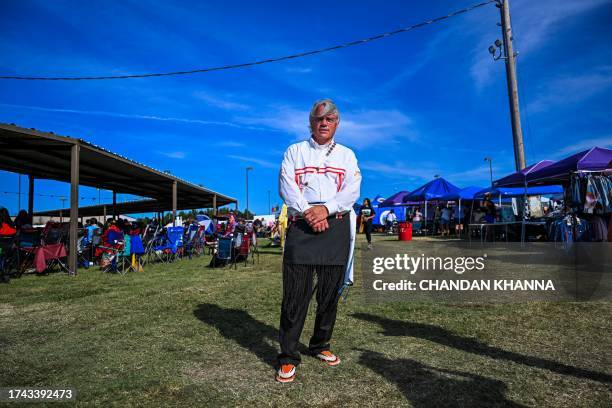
184 334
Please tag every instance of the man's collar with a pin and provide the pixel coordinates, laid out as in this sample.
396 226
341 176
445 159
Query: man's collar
317 146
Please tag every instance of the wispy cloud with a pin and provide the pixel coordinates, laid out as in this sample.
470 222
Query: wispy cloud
173 155
134 116
582 145
230 143
400 170
223 102
474 175
298 70
420 61
357 129
423 172
262 163
571 89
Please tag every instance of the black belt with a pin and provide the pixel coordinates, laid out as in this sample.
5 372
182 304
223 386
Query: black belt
294 218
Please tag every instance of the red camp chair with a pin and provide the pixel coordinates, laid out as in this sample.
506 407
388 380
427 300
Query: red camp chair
243 251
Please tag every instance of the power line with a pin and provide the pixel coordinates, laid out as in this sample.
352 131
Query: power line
264 61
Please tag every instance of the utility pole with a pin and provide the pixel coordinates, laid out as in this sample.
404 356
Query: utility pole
510 56
490 160
247 189
19 195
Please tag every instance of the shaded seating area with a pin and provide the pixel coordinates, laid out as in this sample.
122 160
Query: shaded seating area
45 155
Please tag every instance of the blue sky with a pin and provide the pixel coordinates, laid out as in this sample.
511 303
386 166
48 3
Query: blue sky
427 102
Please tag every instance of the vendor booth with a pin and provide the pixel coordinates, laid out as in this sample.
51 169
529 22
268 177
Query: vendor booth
429 192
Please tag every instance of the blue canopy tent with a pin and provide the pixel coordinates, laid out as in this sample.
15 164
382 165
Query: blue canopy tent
395 200
511 192
381 211
433 190
463 194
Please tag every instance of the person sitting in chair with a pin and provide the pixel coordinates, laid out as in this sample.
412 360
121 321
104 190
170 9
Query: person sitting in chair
390 220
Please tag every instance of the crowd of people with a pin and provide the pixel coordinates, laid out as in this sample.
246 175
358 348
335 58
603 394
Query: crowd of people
101 235
444 219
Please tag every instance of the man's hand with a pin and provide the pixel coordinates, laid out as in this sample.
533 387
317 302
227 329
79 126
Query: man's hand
315 214
320 226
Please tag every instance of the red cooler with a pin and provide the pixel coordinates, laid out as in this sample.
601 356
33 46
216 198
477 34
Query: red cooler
405 231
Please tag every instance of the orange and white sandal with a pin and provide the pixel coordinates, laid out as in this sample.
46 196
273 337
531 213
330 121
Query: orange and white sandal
329 358
286 373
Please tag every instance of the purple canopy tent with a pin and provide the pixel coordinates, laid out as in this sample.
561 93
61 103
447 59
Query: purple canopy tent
595 159
520 177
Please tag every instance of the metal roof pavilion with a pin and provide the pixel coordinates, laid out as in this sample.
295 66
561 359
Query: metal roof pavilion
46 155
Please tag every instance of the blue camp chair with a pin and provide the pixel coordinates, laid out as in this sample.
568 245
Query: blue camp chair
224 252
175 242
161 247
191 240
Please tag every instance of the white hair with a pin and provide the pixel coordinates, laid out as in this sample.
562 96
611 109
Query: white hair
329 108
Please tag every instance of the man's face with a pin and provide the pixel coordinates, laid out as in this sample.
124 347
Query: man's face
323 127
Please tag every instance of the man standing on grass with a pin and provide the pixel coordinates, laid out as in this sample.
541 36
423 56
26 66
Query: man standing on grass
319 182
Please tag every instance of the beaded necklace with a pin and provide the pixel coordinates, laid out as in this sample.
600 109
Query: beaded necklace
329 150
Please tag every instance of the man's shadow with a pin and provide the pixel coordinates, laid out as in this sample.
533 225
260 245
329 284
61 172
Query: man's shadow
426 386
470 345
239 326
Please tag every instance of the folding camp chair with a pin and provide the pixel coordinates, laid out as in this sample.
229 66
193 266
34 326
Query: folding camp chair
96 241
124 256
191 240
114 244
211 242
28 240
242 249
150 238
9 263
83 251
175 241
223 255
136 250
199 241
254 248
170 245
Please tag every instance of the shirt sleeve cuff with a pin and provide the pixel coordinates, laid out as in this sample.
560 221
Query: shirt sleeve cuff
332 206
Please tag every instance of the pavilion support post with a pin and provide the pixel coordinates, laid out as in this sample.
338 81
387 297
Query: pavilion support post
215 204
114 205
174 202
31 198
74 208
104 214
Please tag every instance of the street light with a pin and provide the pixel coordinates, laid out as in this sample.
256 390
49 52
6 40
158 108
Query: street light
247 189
490 168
